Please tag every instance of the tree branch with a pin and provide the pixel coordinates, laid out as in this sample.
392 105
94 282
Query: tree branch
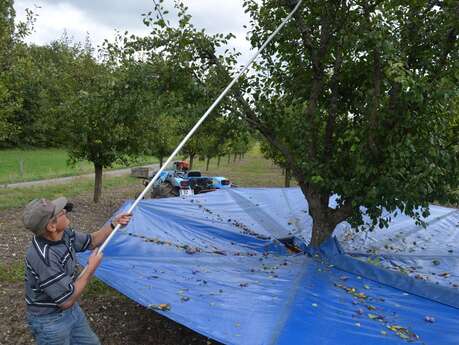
333 110
342 213
376 79
253 121
251 118
450 42
376 93
317 59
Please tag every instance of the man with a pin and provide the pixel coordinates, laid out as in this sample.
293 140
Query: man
52 287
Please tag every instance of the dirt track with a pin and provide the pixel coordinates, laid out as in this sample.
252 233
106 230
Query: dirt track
60 180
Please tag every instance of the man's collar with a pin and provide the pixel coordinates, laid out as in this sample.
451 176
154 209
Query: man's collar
42 240
42 245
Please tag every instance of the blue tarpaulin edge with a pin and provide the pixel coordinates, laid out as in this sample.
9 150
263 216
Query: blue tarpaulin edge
284 298
332 250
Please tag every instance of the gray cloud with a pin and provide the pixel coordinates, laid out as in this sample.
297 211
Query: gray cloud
100 18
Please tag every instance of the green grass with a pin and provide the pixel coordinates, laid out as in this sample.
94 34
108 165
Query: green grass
28 165
252 171
97 288
12 273
10 198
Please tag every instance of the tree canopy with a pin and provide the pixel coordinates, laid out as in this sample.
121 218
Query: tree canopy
354 95
12 58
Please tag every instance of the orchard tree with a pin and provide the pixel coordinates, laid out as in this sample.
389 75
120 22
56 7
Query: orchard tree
7 108
11 56
104 122
52 78
40 81
355 95
276 157
213 136
162 105
185 75
239 143
161 137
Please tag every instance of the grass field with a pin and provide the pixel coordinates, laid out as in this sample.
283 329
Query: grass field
29 165
252 171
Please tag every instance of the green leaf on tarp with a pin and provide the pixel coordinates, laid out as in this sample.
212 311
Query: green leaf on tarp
403 332
375 317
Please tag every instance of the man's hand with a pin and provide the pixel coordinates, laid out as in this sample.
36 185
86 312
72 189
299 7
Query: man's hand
98 237
94 260
122 219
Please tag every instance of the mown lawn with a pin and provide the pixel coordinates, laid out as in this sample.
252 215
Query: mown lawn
251 171
28 165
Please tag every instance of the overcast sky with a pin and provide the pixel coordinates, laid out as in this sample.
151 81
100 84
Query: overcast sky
100 19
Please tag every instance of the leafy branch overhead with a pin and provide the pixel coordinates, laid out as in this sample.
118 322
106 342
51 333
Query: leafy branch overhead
354 98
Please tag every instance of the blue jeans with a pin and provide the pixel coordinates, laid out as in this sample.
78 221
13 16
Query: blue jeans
67 327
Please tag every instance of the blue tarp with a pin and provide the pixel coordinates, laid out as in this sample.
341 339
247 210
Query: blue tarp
214 259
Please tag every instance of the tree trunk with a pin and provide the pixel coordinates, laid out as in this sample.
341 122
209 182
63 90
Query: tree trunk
320 231
218 161
207 163
229 158
287 177
234 158
160 162
321 227
191 161
97 182
324 219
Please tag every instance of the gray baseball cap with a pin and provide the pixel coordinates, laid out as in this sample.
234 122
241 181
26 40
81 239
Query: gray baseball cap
39 212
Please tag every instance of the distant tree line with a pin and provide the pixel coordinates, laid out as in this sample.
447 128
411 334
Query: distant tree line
136 96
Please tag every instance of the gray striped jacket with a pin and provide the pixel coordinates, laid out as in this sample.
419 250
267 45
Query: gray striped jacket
50 270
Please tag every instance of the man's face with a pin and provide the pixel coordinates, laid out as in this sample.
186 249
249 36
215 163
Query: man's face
61 221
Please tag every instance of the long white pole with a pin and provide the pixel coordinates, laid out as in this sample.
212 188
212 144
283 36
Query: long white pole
201 120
